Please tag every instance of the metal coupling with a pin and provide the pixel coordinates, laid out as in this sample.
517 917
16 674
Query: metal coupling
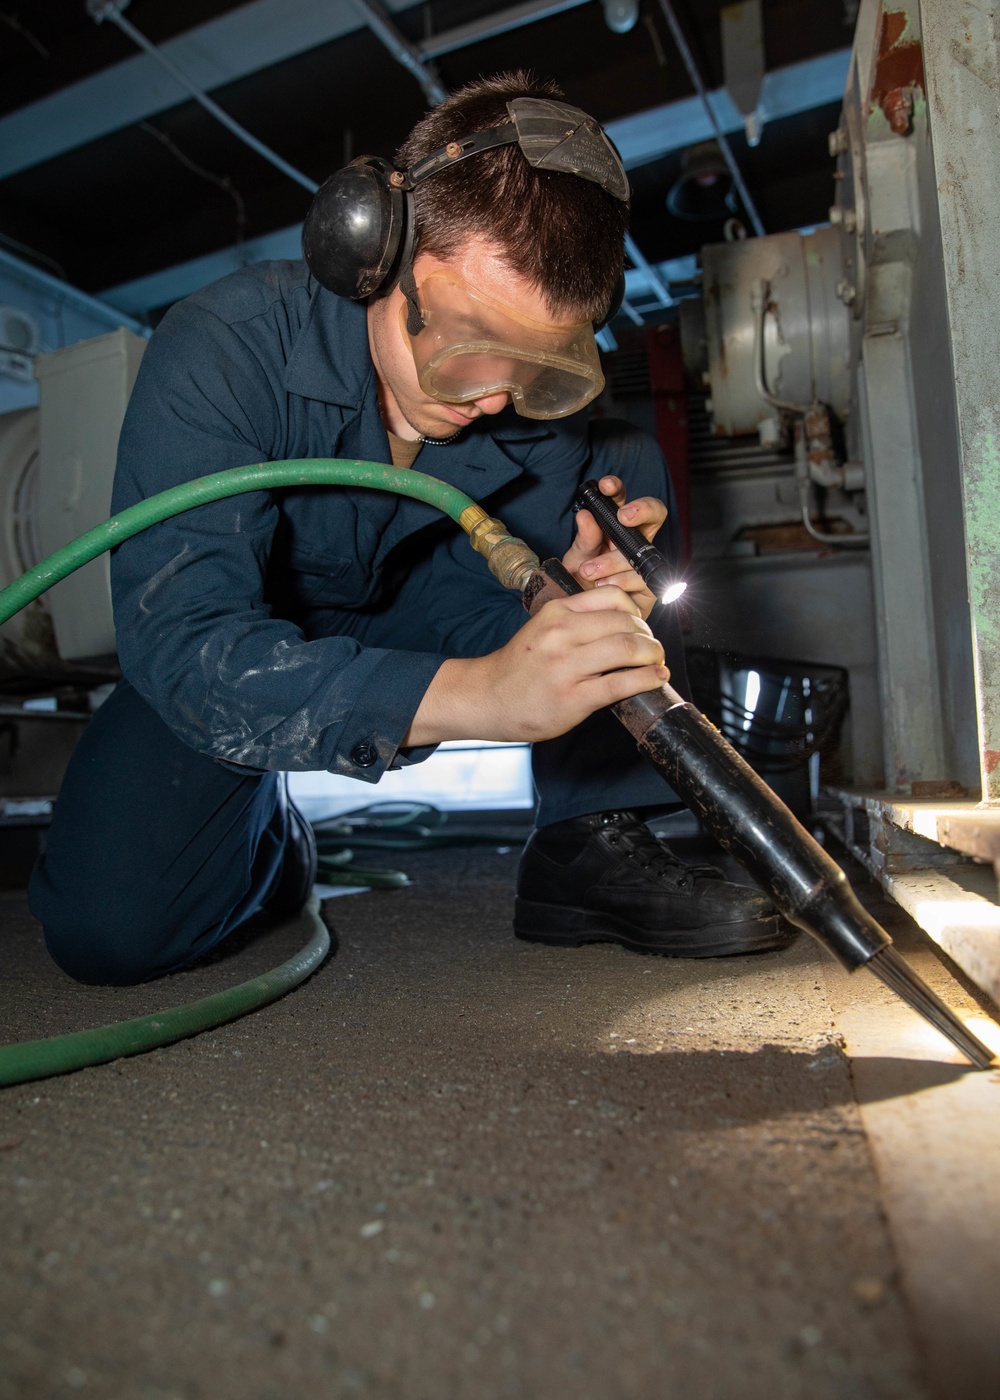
510 560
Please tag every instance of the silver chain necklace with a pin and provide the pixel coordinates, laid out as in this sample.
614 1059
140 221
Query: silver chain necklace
439 442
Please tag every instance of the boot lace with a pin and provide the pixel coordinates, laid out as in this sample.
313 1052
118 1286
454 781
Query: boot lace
642 848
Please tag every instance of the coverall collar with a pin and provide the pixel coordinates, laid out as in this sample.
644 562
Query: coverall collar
330 359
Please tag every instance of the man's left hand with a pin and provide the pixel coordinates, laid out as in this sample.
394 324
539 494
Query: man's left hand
594 561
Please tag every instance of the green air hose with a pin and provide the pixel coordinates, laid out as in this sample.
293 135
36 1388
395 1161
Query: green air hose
265 476
37 1059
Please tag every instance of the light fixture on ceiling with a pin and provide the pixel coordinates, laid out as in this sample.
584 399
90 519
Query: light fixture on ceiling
620 15
704 189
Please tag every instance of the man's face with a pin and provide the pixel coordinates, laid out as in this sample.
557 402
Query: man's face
406 409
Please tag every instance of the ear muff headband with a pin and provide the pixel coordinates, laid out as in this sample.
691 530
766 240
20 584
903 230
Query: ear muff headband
359 232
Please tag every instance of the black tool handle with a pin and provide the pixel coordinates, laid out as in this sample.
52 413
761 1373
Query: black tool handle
747 819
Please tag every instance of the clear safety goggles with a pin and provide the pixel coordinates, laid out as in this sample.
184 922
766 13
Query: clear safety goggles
471 346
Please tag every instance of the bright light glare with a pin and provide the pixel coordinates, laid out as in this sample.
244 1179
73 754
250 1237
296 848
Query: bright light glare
673 592
985 1030
939 917
751 697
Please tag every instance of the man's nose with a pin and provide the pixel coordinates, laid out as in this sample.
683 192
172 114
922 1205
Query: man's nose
493 403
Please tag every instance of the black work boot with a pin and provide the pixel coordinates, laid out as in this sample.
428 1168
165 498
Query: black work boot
605 878
298 870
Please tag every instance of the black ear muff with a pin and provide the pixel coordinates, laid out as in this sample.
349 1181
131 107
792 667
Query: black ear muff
617 297
355 227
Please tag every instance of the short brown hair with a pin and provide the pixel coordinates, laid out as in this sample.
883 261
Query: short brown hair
562 233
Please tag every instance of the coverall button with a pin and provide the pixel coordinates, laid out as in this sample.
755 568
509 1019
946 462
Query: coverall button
364 754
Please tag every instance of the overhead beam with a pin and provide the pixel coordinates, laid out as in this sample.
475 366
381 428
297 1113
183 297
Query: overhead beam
244 41
144 294
402 50
641 139
489 26
264 32
650 135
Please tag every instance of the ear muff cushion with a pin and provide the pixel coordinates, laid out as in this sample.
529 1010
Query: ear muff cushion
352 232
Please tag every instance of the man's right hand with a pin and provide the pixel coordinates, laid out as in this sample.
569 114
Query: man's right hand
576 655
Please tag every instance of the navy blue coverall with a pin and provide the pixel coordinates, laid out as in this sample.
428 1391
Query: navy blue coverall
296 629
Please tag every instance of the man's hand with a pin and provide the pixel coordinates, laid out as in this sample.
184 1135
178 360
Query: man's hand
596 563
576 655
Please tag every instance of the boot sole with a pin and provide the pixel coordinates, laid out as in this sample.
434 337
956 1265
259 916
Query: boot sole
564 927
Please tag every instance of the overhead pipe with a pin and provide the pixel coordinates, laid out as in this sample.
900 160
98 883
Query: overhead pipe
687 57
812 422
402 50
100 10
639 261
489 26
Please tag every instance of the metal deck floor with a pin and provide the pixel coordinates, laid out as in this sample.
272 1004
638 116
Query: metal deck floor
456 1165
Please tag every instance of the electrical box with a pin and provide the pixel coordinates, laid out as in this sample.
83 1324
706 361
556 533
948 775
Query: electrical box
83 393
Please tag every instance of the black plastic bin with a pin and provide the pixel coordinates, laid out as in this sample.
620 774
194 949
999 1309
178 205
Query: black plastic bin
780 715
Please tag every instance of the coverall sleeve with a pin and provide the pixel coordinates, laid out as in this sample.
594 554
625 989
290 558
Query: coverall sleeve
196 637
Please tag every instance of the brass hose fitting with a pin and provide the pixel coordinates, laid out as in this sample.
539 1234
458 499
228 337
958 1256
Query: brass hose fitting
509 559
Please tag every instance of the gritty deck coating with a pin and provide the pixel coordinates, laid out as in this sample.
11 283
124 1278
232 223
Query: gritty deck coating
451 1165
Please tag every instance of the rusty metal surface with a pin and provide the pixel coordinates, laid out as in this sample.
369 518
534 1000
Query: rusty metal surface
963 827
549 581
899 70
976 834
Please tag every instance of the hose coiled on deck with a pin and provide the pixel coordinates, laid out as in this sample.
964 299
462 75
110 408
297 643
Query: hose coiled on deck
37 1059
